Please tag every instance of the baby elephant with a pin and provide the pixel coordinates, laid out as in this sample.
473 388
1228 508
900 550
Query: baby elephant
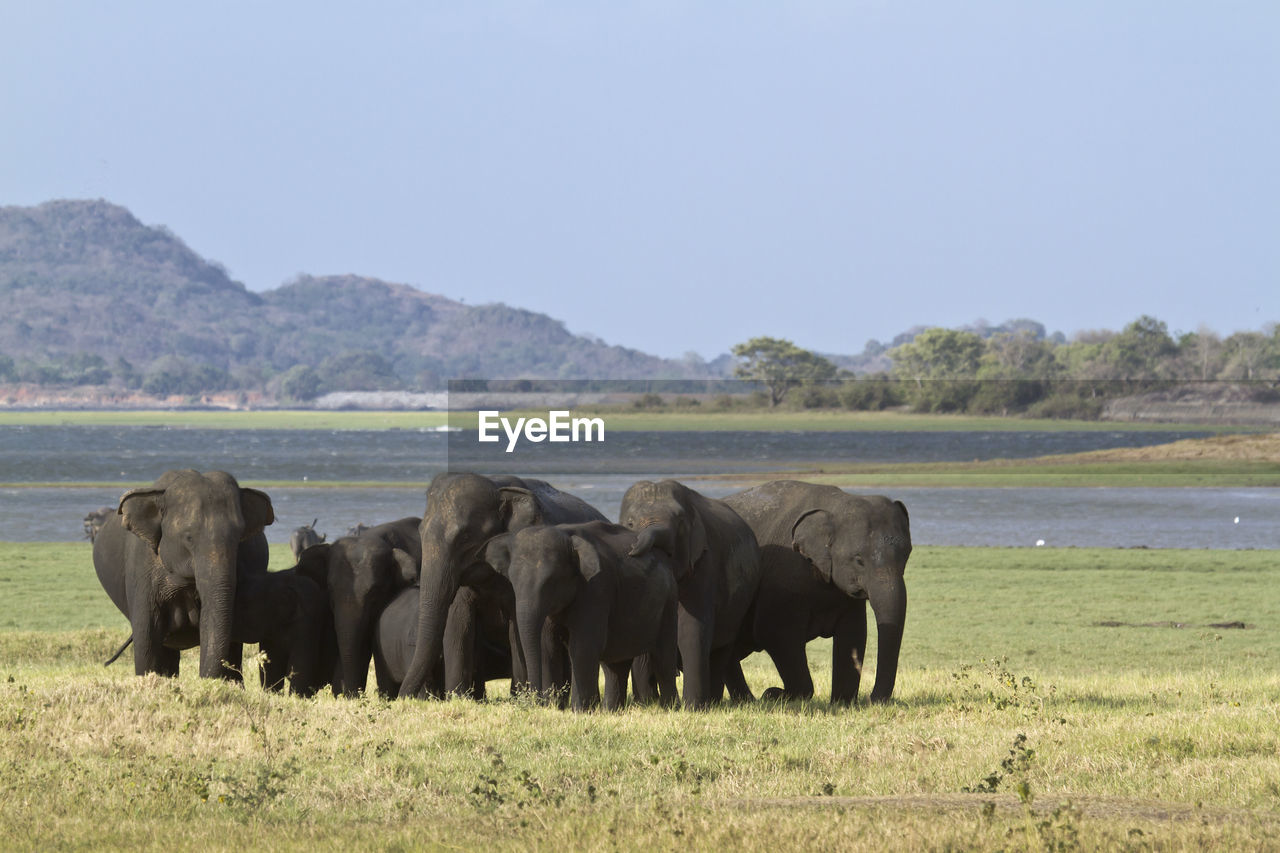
614 607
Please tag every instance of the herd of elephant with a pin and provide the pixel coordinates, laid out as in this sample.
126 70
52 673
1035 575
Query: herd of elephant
508 577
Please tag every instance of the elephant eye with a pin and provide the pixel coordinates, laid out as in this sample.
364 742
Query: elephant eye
857 558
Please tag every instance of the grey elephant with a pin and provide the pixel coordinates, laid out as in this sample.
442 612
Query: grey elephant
465 511
360 575
303 538
170 559
287 615
825 554
717 569
94 520
475 631
613 606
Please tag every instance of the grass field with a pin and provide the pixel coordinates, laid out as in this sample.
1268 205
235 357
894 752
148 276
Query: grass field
1048 699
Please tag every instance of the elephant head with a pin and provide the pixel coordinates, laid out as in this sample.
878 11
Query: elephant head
546 568
663 516
360 575
860 545
195 524
304 537
464 512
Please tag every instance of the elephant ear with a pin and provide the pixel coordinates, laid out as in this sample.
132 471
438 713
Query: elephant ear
588 558
900 505
812 536
497 552
408 566
693 546
313 563
256 508
519 508
141 512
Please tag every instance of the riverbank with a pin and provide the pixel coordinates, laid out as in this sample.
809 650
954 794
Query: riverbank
1249 460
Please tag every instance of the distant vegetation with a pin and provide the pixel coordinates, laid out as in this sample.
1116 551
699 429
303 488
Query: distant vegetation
94 298
1020 370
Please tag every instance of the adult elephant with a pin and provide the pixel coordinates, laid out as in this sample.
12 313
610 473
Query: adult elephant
465 511
825 553
361 575
169 560
717 569
287 615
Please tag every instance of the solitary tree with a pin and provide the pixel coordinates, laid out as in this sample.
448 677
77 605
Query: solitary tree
780 365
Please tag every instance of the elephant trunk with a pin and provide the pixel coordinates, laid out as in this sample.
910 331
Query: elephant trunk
354 649
889 601
529 621
659 536
438 585
216 586
303 655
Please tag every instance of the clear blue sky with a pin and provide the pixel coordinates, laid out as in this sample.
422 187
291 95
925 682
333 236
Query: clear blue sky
679 176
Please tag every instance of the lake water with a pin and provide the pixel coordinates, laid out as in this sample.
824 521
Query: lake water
1113 517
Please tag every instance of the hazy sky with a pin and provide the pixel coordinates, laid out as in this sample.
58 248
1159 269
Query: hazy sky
678 176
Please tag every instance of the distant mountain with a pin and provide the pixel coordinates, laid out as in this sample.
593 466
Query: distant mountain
86 287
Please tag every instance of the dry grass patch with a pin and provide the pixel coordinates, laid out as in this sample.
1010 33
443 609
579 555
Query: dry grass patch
1228 447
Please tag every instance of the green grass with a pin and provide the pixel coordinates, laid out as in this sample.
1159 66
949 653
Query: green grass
1142 736
624 420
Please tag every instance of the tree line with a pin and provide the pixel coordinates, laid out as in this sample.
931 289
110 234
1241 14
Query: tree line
1011 369
1017 371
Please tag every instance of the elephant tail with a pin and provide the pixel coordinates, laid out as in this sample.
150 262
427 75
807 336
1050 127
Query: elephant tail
119 651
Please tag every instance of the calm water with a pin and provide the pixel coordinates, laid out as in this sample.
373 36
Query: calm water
132 454
1116 517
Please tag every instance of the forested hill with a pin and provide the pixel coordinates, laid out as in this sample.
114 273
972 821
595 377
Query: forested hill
90 293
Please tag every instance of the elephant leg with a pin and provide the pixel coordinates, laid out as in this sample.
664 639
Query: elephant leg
234 664
694 641
149 653
737 683
665 660
644 680
165 662
720 661
615 685
584 657
519 670
793 665
273 671
460 637
849 644
557 667
388 687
